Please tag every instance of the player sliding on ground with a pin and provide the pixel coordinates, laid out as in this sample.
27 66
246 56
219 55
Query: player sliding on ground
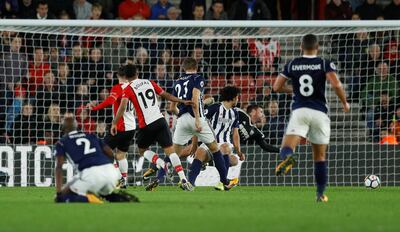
191 119
309 118
97 178
125 126
152 125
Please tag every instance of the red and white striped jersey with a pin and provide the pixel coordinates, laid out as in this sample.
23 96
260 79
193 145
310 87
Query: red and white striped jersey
142 93
127 122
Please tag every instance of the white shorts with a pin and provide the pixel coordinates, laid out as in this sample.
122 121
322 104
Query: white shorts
99 180
185 129
311 124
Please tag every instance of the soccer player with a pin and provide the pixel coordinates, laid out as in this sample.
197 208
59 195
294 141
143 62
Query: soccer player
224 120
191 118
125 126
309 118
152 125
97 176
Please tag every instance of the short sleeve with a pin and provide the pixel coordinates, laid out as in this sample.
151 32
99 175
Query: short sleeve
211 110
157 88
59 151
199 82
329 66
236 122
116 91
285 71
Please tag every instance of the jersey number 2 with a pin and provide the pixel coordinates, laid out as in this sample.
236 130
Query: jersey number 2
87 150
306 87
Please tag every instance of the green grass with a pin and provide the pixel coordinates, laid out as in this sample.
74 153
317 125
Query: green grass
242 209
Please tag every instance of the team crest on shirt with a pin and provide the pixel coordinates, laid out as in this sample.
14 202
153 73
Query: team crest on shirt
333 66
202 84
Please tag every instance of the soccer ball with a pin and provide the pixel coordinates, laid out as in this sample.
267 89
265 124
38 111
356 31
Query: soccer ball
372 181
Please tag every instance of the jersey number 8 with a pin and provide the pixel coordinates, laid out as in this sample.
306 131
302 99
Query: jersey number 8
306 87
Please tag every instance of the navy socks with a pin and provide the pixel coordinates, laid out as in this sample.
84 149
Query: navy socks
321 176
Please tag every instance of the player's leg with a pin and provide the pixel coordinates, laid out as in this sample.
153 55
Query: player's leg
234 170
201 156
320 170
219 162
226 151
299 125
123 141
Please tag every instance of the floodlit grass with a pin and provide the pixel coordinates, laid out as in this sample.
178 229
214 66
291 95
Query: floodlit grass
242 209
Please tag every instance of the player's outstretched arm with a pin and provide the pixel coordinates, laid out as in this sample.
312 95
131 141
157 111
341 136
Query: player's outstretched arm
280 85
338 88
120 113
236 143
174 108
60 159
172 98
110 100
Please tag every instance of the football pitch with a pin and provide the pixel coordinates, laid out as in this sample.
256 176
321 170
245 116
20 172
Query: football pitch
242 209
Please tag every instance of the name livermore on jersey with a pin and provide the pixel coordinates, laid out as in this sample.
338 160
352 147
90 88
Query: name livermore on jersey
308 78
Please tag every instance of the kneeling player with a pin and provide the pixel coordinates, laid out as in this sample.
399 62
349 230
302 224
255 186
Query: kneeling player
97 176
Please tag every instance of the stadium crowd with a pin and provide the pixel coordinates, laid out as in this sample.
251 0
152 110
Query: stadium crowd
42 76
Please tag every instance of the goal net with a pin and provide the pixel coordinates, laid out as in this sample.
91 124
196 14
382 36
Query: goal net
51 67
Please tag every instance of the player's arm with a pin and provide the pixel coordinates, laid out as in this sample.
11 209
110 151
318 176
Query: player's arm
338 88
110 100
196 106
120 113
172 98
174 108
236 143
280 85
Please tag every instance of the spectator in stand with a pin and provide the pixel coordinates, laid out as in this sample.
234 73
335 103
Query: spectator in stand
355 16
369 10
161 76
26 126
267 51
134 9
266 94
96 11
203 66
9 9
114 50
66 85
249 10
85 122
216 11
173 13
370 63
166 59
257 116
392 11
105 114
81 97
198 12
52 125
338 10
109 9
160 9
82 9
142 60
99 72
42 11
15 108
383 115
78 64
275 126
55 58
392 55
27 9
187 7
395 125
101 129
37 69
49 90
57 6
63 15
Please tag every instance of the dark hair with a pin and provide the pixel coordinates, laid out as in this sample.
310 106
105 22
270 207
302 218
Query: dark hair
385 93
309 42
228 93
121 71
41 2
251 108
189 63
130 71
197 4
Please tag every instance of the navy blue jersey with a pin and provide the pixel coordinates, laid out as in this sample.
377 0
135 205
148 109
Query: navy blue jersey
308 78
183 89
82 150
223 121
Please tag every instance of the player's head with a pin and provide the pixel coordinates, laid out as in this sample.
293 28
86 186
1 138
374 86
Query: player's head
69 123
230 94
189 65
309 44
131 72
121 74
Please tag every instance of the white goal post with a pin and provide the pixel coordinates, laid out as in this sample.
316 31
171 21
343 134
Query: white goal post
49 67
